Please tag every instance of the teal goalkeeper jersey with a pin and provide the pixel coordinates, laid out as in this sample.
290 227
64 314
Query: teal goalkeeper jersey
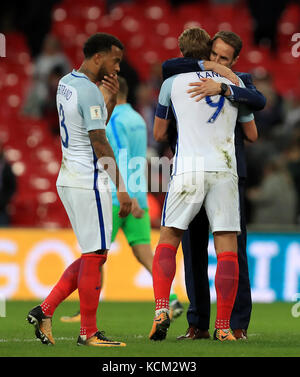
127 135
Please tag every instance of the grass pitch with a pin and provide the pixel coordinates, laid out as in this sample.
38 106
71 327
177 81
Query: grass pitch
273 332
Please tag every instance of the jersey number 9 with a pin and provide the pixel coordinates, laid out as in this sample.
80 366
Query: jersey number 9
219 105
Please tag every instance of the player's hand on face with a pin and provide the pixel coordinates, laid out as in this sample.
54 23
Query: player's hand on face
125 203
203 88
136 210
109 86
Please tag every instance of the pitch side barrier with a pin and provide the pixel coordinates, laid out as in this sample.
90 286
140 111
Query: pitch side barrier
31 261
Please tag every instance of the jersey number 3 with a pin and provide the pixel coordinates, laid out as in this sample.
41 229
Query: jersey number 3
65 142
219 105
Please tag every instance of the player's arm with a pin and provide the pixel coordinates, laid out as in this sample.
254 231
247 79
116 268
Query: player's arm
183 65
250 130
175 66
222 70
246 117
163 114
136 210
92 109
206 87
209 87
248 94
245 93
104 152
160 129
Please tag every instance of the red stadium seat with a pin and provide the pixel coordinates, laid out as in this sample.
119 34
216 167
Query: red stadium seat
289 24
24 210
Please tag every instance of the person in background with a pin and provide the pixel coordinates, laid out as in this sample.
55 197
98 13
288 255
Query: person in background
274 201
270 119
49 110
8 186
291 156
50 57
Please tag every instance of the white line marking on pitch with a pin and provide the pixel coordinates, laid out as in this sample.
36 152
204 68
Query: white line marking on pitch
16 340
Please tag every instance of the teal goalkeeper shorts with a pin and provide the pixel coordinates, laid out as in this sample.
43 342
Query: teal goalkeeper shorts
137 231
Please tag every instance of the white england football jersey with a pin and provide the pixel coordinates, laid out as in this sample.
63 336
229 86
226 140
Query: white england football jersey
205 128
81 108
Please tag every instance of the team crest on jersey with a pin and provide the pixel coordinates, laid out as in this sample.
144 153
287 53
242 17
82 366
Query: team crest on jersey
95 112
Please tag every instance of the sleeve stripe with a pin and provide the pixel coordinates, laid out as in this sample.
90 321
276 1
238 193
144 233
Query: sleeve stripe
163 112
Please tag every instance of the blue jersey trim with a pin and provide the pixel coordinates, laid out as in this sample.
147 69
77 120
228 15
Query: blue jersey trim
99 207
164 209
79 77
176 154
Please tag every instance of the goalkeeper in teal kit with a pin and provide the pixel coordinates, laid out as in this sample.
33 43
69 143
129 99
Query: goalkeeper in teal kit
127 135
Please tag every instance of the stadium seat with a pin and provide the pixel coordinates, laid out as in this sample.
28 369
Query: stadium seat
24 209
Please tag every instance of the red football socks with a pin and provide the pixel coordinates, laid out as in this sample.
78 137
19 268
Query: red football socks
226 284
85 275
65 286
163 272
89 287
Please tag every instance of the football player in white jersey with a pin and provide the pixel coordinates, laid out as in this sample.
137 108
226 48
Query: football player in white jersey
83 184
204 173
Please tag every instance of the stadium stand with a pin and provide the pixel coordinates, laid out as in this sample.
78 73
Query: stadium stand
149 31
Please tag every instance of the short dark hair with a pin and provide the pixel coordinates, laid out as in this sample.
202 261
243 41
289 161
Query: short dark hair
231 39
100 42
194 43
123 91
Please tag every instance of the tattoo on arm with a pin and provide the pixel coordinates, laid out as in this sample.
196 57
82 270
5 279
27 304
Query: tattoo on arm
104 152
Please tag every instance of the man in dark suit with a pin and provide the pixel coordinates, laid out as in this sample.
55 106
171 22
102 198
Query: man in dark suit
225 49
